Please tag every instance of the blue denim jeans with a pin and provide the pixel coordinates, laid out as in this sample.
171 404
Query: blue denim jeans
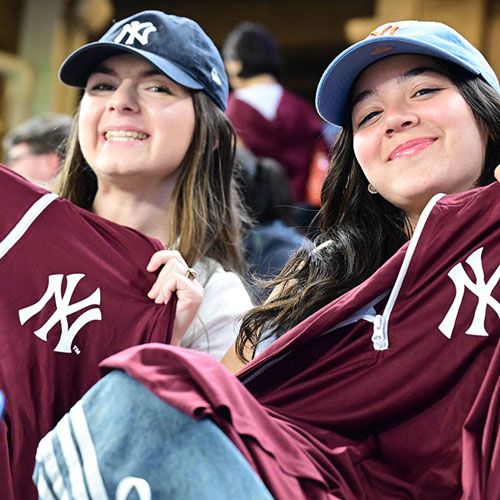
122 442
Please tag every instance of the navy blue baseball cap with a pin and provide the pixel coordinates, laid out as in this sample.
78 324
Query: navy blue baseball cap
425 38
177 46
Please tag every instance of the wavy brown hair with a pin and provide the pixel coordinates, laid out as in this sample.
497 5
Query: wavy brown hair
206 213
359 231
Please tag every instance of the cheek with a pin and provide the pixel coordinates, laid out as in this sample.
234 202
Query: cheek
365 152
469 139
456 116
86 129
183 124
190 126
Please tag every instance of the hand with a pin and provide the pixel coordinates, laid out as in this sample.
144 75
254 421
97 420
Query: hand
173 279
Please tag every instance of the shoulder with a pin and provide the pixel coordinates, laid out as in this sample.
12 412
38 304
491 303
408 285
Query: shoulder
266 239
216 280
288 234
290 98
233 102
480 205
293 106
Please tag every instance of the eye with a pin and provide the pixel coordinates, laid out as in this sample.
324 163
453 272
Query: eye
103 86
94 85
160 89
368 117
426 91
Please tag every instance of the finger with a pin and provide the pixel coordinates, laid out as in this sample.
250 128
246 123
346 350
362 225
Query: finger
189 299
164 295
172 270
168 259
165 286
162 257
187 291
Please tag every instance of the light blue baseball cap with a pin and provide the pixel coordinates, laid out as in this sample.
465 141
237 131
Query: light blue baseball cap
425 38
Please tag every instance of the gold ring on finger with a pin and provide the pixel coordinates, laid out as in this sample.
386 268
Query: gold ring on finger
190 274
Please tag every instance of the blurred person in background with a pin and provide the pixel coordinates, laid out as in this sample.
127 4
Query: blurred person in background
34 149
272 240
271 120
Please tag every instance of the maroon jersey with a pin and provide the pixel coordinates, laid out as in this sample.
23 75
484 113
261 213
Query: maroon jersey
390 391
73 292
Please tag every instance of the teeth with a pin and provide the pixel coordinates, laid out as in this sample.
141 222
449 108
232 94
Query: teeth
124 135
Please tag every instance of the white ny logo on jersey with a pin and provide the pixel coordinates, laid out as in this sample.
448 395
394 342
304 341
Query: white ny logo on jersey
480 288
133 30
63 310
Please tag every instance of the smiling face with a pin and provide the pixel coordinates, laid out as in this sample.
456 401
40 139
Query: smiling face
134 122
414 134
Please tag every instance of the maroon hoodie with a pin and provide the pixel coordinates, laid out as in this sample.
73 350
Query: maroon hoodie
290 138
390 391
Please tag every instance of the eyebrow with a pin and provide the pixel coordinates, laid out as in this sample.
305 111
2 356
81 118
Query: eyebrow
411 73
106 70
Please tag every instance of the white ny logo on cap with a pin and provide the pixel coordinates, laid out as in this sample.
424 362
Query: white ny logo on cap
216 77
133 30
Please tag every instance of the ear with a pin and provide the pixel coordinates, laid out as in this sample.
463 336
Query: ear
233 67
53 162
497 173
233 70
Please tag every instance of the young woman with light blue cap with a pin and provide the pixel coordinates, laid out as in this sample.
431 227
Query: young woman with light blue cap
153 150
367 215
382 377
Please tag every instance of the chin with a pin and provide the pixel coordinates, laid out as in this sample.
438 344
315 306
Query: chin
114 166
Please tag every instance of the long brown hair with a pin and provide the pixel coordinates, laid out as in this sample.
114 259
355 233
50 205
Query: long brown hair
359 231
206 213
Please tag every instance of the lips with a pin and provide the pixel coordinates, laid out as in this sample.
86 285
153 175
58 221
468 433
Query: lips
125 135
412 147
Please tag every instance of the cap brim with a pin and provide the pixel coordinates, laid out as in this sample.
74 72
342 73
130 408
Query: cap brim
76 69
334 88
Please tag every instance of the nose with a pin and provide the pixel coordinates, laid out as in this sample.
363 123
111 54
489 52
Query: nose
399 117
124 99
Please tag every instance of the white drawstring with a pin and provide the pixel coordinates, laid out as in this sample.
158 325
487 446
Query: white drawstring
380 337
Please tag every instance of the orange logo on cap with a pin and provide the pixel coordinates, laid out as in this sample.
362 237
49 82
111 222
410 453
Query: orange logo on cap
384 30
381 50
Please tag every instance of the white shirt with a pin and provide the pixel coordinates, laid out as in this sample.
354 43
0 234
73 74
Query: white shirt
264 97
225 301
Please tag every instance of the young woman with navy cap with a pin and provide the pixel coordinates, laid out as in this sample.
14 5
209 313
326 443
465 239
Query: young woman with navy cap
382 377
152 149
